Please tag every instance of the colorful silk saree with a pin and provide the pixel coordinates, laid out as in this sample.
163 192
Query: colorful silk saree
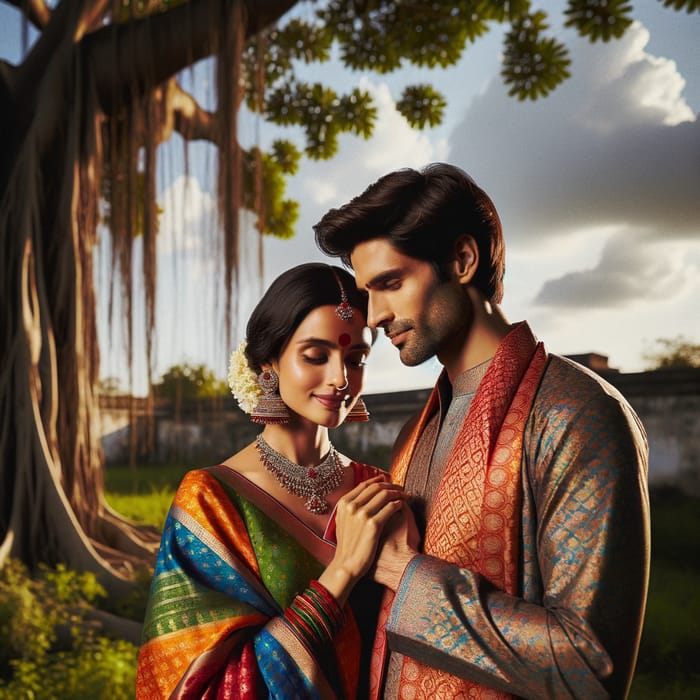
231 560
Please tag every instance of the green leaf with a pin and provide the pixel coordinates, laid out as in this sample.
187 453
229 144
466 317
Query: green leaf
421 105
599 19
533 65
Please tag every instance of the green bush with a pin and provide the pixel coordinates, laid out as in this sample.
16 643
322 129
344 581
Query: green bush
48 649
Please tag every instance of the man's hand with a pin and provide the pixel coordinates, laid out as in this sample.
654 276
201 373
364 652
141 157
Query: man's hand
398 545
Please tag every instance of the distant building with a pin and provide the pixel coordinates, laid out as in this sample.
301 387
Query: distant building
594 361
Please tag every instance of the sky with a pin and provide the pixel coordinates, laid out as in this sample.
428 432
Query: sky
597 186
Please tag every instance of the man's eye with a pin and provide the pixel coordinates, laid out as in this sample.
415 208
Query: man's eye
392 284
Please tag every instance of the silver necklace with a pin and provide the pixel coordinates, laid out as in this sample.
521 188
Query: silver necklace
311 483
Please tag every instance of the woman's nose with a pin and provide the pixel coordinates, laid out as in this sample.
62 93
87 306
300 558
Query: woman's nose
339 378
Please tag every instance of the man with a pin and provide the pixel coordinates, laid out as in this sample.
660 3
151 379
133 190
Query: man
532 574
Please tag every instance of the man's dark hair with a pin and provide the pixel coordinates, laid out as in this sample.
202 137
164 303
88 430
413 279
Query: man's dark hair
289 300
422 213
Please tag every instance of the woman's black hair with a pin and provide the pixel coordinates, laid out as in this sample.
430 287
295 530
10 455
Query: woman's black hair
289 300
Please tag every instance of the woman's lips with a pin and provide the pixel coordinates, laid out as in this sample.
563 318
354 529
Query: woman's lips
330 401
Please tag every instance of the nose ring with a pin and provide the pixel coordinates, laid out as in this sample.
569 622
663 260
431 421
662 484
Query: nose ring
344 387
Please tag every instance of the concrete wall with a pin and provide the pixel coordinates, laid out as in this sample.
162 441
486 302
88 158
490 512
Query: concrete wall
667 401
668 404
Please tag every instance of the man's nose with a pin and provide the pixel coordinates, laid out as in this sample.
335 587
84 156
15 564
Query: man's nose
378 313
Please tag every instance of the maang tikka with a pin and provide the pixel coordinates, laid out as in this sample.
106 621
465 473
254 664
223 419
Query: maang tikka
344 309
358 413
270 408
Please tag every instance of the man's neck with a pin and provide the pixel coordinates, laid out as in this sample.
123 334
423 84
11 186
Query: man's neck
489 327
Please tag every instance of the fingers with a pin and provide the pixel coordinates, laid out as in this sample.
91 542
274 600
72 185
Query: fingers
368 509
365 492
357 490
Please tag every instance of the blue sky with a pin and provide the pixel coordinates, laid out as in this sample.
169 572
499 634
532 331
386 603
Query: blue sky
598 187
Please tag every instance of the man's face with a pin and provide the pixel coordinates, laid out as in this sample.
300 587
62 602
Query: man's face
421 315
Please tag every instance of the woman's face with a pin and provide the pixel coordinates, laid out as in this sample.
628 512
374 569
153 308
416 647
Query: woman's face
321 369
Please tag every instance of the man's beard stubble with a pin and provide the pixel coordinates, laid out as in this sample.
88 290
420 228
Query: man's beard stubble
445 323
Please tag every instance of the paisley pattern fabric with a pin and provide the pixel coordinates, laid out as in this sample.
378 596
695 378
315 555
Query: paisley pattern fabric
535 566
231 560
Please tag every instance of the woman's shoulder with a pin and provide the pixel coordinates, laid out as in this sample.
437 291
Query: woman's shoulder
241 463
244 462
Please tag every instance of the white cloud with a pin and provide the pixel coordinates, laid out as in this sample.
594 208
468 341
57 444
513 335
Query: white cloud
321 192
628 85
386 373
626 273
188 216
394 144
608 147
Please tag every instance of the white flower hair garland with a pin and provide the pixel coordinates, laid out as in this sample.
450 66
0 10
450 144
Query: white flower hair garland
242 380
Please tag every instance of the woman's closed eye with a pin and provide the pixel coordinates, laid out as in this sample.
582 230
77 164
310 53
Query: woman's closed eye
315 359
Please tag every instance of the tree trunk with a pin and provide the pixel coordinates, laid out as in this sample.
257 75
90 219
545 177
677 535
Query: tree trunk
52 506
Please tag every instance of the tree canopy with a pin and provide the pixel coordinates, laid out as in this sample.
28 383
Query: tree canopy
672 353
185 381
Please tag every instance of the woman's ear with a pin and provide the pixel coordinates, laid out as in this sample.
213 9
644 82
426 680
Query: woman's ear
466 259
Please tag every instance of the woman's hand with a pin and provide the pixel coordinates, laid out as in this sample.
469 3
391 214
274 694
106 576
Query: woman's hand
361 515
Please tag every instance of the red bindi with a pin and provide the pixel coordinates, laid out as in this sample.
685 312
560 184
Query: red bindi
344 339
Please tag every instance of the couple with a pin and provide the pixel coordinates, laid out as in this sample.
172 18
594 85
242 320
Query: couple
291 571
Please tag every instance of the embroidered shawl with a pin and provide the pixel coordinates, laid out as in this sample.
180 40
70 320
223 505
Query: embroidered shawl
474 521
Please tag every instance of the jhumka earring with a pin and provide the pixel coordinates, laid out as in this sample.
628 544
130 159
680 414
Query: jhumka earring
358 413
270 407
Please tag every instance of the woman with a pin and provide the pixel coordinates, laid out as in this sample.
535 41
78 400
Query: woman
251 595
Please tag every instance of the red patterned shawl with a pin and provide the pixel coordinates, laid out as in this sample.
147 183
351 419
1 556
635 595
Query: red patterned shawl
474 520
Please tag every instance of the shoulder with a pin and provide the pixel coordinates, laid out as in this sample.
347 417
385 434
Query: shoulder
197 485
567 381
573 398
219 483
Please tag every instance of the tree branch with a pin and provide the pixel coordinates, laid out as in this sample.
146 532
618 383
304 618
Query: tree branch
36 11
128 59
190 119
66 23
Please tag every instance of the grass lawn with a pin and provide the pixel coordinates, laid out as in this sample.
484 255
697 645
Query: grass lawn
667 666
143 494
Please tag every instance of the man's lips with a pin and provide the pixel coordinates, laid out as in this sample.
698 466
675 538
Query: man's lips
397 337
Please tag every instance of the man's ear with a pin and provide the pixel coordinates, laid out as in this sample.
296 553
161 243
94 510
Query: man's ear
466 259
